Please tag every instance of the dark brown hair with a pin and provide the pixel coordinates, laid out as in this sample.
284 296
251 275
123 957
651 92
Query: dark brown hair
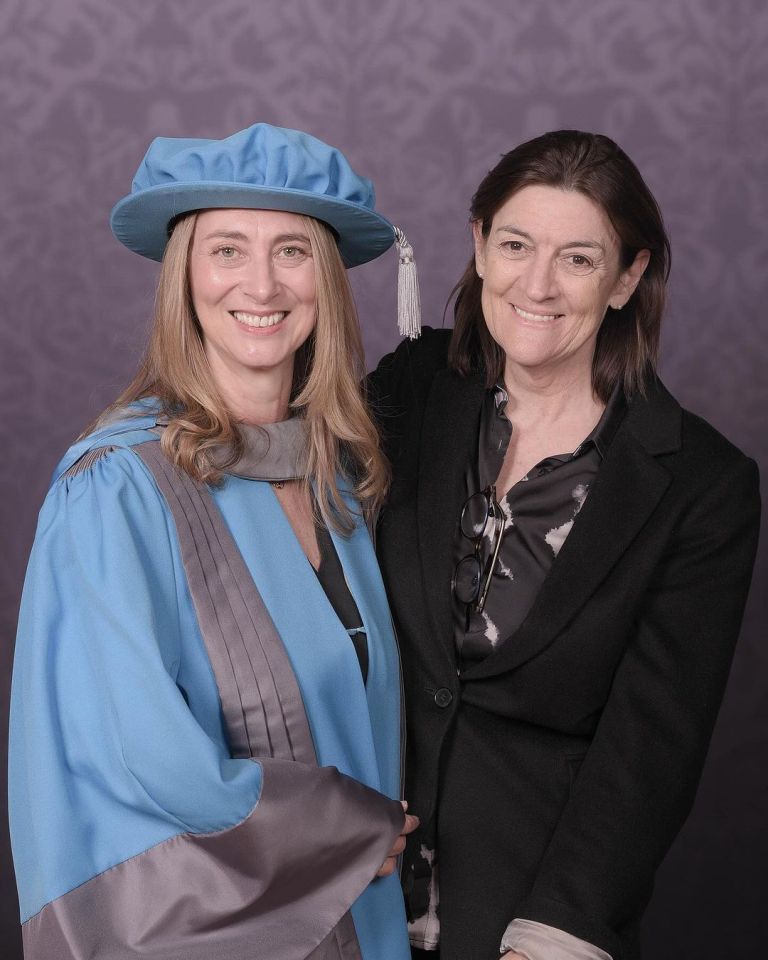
628 340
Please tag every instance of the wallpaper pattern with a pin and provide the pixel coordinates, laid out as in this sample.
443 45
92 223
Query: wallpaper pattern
424 97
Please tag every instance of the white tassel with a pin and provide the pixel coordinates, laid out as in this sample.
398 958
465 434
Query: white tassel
408 299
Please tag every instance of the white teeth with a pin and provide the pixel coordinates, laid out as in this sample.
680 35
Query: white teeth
252 320
538 317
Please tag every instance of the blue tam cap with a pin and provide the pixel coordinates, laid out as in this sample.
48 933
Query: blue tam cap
264 167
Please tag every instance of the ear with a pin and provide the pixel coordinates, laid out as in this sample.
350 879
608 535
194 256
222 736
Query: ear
480 245
629 279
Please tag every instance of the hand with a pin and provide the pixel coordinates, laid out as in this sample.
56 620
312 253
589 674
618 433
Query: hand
513 956
398 846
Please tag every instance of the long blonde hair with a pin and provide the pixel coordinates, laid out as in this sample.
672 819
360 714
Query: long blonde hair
328 369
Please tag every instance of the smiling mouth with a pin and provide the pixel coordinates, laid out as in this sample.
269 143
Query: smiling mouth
535 317
258 320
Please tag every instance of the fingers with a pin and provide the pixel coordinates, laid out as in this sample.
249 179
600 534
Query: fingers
411 822
397 847
387 867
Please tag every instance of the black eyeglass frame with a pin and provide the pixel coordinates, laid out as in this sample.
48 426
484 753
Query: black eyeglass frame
493 512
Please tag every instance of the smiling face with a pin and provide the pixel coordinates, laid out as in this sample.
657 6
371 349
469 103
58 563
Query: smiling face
550 269
252 281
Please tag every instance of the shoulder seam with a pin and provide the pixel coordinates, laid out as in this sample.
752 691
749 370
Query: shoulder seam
88 460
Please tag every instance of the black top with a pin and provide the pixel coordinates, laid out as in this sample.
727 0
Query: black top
581 741
331 577
539 512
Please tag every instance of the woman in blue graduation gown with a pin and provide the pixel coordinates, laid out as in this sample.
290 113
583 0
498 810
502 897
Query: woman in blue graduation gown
206 708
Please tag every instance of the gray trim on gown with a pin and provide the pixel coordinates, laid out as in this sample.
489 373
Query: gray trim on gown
244 887
270 451
259 694
256 891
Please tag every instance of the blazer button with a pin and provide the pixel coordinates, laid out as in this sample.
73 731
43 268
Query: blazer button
443 697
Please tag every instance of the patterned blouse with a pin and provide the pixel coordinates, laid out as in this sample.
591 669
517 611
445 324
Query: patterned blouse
539 512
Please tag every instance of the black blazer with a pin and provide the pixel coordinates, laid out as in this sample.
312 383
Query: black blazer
557 771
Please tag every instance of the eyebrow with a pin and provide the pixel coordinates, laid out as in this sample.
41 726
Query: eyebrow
589 244
292 237
225 235
237 235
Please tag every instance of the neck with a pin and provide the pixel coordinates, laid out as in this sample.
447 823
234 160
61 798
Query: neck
255 396
550 396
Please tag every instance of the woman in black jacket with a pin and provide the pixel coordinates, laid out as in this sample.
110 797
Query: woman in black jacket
567 554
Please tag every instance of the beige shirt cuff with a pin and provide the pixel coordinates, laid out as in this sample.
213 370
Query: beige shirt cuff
537 941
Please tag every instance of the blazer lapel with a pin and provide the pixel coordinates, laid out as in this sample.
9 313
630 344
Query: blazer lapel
449 441
625 493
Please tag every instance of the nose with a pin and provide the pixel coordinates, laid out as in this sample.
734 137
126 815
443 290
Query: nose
260 281
539 280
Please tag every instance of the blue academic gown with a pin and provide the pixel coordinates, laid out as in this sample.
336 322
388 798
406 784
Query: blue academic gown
119 756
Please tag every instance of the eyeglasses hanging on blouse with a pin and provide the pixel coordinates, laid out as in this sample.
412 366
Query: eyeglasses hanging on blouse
474 573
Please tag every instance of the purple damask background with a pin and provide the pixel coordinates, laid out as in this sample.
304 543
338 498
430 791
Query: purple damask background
423 95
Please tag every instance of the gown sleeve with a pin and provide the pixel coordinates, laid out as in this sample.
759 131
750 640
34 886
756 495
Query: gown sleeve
133 829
